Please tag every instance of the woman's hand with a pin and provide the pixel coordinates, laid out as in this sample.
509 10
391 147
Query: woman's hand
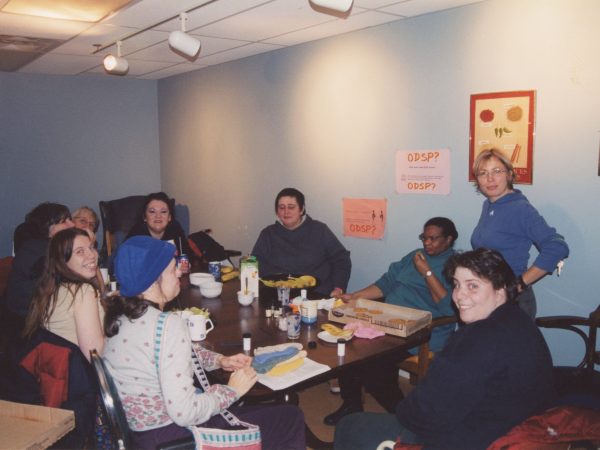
337 293
242 380
235 362
421 263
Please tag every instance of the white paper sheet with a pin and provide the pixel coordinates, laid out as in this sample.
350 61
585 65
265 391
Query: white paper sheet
307 370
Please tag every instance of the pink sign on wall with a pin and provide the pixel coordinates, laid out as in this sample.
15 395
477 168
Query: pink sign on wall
364 217
423 172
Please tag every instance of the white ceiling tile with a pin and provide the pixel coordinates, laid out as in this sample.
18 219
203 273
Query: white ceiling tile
360 21
98 34
18 25
269 20
374 4
413 8
237 53
212 13
61 64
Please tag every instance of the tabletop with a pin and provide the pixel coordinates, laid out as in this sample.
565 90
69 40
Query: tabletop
232 320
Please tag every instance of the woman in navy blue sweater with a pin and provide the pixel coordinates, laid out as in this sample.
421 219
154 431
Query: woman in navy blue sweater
493 373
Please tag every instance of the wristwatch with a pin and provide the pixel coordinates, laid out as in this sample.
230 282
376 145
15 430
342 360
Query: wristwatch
428 273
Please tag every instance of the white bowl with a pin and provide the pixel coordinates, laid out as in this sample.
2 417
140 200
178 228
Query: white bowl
198 278
245 299
211 289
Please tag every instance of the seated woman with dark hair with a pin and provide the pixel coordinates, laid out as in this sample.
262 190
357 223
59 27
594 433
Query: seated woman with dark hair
298 244
415 281
67 297
158 221
30 244
493 373
159 396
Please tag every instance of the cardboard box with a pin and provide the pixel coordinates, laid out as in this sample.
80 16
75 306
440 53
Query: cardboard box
32 427
391 319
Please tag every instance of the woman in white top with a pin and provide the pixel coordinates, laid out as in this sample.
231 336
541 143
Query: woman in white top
67 298
158 392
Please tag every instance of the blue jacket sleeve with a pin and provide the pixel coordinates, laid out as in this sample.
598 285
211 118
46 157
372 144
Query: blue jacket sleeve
551 246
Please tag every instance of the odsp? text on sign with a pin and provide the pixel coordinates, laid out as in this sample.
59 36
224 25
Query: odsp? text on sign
364 217
423 171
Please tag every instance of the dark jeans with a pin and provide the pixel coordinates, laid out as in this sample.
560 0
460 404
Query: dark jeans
281 428
526 301
380 379
361 431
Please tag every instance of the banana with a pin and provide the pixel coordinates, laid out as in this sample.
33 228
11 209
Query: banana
226 269
230 275
293 283
337 331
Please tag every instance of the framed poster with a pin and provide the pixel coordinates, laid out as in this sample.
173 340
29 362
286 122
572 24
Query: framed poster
505 121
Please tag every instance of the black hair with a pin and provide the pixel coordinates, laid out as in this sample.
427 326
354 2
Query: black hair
486 264
291 192
447 226
43 216
118 306
163 197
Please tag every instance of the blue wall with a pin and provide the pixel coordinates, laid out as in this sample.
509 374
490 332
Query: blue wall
328 116
74 140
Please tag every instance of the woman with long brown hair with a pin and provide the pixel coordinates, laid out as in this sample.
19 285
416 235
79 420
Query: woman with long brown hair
67 298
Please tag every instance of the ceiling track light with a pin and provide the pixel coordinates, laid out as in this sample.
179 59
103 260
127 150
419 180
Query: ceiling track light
182 42
335 5
116 65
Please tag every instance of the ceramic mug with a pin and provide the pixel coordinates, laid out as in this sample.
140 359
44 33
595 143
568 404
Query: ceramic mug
199 327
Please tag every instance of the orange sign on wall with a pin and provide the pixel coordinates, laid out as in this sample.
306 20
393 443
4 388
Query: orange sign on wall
365 218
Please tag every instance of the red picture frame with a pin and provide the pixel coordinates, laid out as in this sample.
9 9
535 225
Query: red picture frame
505 121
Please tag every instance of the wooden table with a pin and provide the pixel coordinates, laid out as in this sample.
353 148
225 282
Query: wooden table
231 321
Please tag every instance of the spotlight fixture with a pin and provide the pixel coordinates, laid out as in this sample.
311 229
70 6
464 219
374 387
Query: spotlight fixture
335 5
182 42
116 65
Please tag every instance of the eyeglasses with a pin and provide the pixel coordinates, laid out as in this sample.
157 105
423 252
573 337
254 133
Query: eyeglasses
424 238
495 172
85 222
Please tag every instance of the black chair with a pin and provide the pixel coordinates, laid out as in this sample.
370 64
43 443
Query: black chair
118 217
115 414
580 379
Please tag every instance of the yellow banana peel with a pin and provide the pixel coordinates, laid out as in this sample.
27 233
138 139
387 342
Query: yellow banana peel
230 275
293 283
337 331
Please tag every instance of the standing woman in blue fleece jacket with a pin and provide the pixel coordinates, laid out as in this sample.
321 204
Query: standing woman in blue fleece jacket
511 225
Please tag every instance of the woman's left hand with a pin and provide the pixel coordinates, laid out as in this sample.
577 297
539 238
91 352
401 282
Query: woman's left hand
420 263
235 362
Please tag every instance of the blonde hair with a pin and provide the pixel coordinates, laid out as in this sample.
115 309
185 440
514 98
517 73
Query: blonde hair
87 209
485 156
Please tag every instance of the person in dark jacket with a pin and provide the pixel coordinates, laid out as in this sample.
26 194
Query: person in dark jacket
493 373
298 244
31 244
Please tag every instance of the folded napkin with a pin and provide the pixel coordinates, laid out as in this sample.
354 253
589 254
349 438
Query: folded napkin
266 361
363 331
